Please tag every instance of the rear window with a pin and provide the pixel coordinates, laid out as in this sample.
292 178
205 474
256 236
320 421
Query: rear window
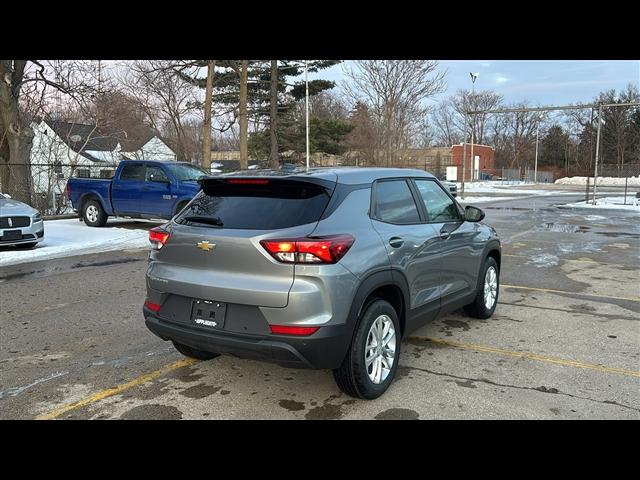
273 205
394 203
132 172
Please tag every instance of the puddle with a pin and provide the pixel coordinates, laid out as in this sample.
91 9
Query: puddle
544 260
561 227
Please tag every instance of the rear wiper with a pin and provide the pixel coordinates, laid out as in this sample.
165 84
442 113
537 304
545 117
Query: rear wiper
206 220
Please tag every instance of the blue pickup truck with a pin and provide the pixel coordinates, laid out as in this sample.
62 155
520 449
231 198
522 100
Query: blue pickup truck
139 189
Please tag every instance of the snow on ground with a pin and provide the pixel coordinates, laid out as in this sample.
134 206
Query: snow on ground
470 200
65 238
499 187
610 203
601 181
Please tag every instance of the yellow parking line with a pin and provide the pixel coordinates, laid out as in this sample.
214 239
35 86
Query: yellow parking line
530 356
551 290
116 390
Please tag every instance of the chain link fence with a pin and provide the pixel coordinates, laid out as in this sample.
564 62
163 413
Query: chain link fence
46 183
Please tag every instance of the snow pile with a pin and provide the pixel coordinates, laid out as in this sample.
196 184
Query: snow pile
610 203
601 181
65 238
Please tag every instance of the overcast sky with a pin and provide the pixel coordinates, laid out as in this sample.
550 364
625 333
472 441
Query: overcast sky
540 82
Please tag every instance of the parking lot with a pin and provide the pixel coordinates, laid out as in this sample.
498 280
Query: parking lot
564 342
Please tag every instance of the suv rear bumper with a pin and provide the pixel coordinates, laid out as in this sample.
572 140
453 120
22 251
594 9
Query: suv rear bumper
325 349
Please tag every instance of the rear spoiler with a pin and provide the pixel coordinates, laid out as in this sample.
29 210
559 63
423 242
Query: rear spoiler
211 181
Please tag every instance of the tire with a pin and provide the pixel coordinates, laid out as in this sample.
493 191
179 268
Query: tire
26 245
194 353
179 208
93 214
353 376
479 309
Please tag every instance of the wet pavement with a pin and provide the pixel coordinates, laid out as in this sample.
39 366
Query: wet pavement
564 341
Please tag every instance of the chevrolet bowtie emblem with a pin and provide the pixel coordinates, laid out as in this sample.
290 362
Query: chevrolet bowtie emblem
206 246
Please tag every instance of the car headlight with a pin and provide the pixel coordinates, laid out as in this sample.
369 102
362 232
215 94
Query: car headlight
37 217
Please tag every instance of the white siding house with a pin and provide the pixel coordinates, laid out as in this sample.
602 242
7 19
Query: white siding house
153 149
61 150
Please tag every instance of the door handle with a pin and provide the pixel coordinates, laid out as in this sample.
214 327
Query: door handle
444 233
396 242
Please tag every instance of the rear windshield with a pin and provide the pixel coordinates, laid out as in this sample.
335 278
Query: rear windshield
274 205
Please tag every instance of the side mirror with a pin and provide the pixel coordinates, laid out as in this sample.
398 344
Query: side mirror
473 214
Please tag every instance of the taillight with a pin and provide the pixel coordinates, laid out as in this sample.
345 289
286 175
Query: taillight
247 181
309 250
292 330
67 191
154 307
158 237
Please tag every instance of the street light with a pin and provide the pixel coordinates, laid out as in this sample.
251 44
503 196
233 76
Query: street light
474 76
535 168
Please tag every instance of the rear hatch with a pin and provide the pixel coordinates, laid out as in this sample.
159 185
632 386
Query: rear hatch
214 251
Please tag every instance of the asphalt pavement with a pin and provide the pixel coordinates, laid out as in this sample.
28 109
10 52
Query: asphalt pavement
564 342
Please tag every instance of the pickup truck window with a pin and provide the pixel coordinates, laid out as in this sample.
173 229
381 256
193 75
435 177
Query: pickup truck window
184 172
132 172
155 174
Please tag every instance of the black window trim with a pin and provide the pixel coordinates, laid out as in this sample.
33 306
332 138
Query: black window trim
421 202
407 180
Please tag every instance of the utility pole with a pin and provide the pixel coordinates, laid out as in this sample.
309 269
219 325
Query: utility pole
464 154
535 169
306 81
595 173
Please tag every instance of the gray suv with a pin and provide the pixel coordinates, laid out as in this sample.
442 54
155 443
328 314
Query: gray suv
326 268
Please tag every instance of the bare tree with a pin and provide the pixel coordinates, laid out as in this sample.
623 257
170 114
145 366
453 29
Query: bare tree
446 124
467 101
25 87
394 92
167 100
514 136
206 126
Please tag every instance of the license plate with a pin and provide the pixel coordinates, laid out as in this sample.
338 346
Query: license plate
12 235
208 314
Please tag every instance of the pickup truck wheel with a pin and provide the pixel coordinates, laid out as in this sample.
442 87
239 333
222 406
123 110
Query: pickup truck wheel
372 360
194 353
179 208
93 214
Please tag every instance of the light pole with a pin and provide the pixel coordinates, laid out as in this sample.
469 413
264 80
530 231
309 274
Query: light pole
474 76
535 168
595 173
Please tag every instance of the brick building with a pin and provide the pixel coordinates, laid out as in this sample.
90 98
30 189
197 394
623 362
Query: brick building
483 165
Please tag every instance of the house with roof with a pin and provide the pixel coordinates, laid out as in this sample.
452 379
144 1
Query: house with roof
150 147
61 150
